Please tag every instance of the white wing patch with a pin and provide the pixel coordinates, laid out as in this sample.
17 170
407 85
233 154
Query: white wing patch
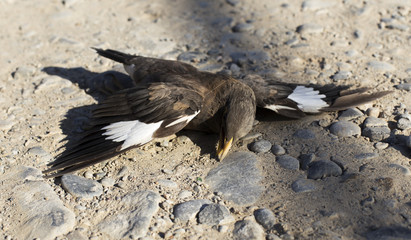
308 99
186 118
131 132
275 108
130 69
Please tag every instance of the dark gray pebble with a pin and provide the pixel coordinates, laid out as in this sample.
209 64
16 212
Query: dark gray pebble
277 150
243 27
349 114
188 210
303 185
214 214
404 86
248 229
365 156
260 146
376 133
265 217
306 160
345 129
304 134
288 162
323 168
388 233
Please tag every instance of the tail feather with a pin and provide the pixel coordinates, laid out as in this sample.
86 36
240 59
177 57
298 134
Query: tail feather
115 55
354 99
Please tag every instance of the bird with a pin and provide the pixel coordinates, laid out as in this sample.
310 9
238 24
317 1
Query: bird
170 95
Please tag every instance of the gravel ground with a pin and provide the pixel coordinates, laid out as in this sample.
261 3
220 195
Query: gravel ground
339 175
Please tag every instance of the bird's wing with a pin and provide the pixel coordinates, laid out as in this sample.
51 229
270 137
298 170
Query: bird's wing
144 69
297 100
131 118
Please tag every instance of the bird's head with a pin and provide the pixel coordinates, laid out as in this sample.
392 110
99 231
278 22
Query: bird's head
237 120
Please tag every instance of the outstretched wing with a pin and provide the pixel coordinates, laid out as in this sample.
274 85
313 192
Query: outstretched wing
132 118
297 100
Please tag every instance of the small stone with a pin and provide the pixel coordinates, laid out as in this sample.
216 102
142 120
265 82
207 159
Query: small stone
381 145
24 71
373 112
288 162
243 27
185 194
248 229
402 169
277 150
404 86
260 146
404 123
188 210
39 151
107 182
350 114
306 160
310 28
376 133
375 122
366 156
381 66
314 5
323 168
303 185
341 75
6 125
265 217
81 187
215 214
192 57
233 2
88 174
345 129
167 183
304 134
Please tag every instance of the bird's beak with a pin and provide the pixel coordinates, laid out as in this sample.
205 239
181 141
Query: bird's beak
223 147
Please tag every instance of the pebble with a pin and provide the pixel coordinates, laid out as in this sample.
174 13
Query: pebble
233 2
386 233
341 75
402 169
6 125
381 66
243 27
192 57
345 129
260 146
277 150
317 4
24 71
51 82
376 133
188 210
107 182
185 194
248 229
403 123
38 212
408 141
303 185
309 28
265 217
373 112
288 162
366 156
404 86
350 114
215 214
375 122
323 168
81 187
306 160
304 134
167 183
237 178
381 145
133 219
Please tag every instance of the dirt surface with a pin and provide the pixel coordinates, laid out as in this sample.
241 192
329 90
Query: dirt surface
49 82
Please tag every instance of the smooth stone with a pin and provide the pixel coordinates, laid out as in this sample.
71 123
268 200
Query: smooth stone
373 112
277 150
341 75
309 28
39 151
306 160
24 71
376 133
215 214
243 27
404 86
188 210
265 217
248 229
233 2
288 162
401 27
304 134
375 122
107 182
349 114
6 125
237 178
303 185
185 194
132 222
381 66
403 124
167 183
408 141
323 168
366 156
402 169
81 187
38 212
317 4
381 145
260 146
345 129
389 233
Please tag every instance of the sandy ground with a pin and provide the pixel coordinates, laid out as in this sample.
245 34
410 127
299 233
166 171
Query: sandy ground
47 74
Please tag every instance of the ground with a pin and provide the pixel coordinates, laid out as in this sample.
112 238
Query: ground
49 82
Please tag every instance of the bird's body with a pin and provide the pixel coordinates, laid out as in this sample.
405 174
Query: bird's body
171 95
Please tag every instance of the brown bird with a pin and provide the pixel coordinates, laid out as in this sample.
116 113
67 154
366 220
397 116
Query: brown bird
171 95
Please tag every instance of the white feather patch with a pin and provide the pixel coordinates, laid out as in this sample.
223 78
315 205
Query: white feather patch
131 132
186 118
308 99
275 108
130 69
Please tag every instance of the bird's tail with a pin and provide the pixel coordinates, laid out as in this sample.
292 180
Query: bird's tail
115 55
